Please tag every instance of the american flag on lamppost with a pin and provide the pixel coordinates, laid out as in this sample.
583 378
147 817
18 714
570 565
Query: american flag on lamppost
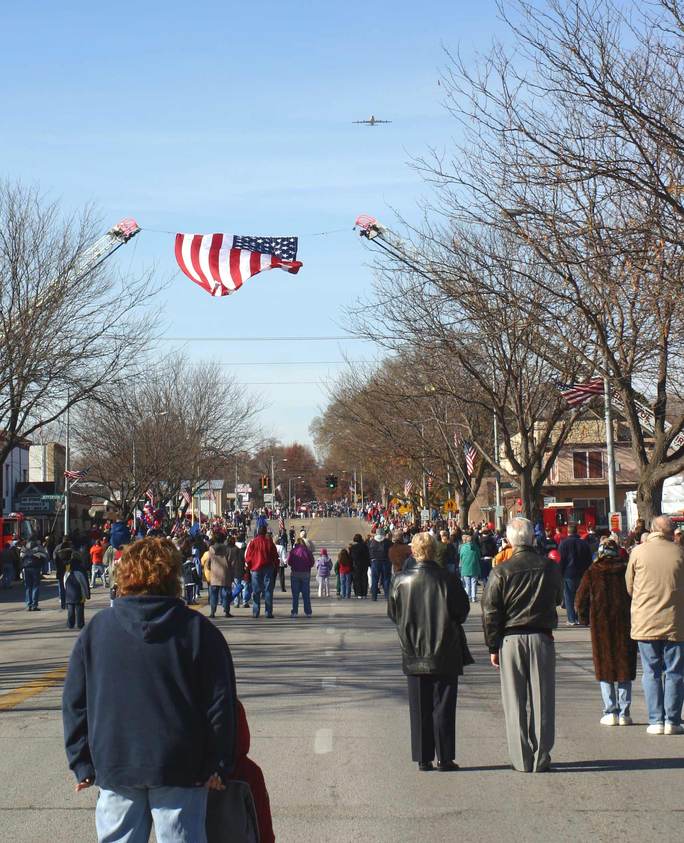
577 394
471 455
76 475
186 495
408 487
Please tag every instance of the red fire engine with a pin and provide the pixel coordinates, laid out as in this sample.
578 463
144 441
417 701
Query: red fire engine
557 517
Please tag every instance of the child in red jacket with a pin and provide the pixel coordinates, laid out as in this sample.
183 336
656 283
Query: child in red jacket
247 771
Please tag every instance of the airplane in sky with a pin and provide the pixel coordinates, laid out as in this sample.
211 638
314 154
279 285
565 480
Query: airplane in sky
372 121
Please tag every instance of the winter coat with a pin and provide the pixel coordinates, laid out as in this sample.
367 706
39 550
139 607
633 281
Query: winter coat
428 604
603 603
378 547
261 553
445 554
655 579
76 588
220 565
300 559
323 566
247 771
575 555
398 554
469 556
359 555
344 562
149 661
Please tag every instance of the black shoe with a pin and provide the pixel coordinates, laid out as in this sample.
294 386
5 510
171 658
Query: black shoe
425 767
36 609
227 615
270 616
447 767
245 605
212 615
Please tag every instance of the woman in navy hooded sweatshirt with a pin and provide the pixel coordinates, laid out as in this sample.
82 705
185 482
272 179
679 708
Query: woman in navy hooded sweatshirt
149 705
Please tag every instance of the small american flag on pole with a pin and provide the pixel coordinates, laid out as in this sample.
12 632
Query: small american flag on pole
75 475
408 487
470 452
149 494
281 522
221 263
185 494
577 394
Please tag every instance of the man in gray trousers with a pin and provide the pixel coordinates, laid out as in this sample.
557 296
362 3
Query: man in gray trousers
519 616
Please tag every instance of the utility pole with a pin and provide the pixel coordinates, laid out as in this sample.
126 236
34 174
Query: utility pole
497 477
610 445
66 479
272 480
235 506
362 490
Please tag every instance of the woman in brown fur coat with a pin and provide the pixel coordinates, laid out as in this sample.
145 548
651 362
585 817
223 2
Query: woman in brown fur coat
603 603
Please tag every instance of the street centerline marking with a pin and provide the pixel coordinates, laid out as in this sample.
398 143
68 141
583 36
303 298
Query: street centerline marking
323 742
36 686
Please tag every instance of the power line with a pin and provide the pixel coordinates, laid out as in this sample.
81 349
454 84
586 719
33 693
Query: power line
266 339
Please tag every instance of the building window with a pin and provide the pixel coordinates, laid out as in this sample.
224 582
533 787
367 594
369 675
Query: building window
587 465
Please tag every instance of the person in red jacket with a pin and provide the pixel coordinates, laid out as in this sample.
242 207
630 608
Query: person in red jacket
246 770
262 560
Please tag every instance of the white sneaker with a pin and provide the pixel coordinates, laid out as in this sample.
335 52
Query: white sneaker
672 729
609 720
655 729
625 720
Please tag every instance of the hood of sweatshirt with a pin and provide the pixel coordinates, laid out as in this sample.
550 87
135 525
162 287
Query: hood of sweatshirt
149 617
379 537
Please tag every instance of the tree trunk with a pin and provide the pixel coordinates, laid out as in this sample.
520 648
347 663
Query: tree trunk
649 499
528 495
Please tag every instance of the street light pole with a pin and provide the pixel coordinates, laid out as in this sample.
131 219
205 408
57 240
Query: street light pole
497 477
66 479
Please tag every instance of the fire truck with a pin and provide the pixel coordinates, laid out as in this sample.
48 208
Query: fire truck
557 517
15 526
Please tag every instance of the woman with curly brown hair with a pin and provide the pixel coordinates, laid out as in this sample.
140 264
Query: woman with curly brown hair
149 704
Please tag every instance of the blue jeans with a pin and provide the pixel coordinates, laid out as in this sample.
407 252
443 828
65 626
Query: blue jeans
300 583
263 581
381 572
218 593
470 584
345 585
616 703
662 663
126 815
7 576
31 586
570 586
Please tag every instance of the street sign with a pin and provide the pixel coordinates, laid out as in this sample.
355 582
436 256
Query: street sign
499 511
243 489
404 510
394 502
51 497
450 505
424 514
549 500
268 498
615 521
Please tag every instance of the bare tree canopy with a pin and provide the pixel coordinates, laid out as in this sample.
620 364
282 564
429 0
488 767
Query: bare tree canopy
179 424
66 336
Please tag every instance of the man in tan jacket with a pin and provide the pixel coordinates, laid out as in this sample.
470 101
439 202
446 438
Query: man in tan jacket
655 579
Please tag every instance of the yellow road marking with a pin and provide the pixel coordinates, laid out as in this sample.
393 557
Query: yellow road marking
32 688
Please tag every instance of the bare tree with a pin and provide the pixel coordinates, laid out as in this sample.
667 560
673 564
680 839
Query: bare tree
180 425
66 336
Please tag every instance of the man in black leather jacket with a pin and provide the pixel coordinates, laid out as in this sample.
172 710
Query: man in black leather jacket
428 604
519 616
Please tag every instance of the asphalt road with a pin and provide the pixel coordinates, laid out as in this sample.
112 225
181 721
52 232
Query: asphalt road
327 707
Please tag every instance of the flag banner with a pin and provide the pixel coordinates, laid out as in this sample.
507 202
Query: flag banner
221 263
149 494
185 494
470 452
577 394
281 522
408 488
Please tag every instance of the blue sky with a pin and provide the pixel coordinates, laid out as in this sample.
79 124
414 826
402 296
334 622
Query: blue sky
235 117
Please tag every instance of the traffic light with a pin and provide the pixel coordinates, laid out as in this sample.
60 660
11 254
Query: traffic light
265 483
331 481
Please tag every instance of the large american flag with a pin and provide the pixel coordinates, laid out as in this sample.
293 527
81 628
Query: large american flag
577 393
221 263
408 487
186 495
